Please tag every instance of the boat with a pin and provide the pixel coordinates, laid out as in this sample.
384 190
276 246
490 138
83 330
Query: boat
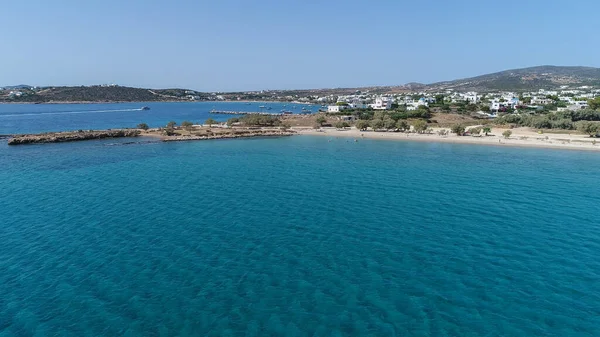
145 108
286 112
262 106
269 108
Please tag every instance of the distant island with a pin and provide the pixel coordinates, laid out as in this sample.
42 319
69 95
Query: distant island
519 80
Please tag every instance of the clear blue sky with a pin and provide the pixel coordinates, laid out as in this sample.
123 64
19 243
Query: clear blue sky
246 45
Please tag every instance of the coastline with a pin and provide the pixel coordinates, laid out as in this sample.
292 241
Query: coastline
166 101
521 137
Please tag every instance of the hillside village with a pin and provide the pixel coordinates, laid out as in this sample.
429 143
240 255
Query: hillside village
489 104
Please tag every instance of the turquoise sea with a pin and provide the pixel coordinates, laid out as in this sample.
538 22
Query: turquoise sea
298 236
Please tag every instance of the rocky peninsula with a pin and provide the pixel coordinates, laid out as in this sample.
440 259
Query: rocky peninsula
71 136
165 135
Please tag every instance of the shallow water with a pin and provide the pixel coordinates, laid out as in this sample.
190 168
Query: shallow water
298 236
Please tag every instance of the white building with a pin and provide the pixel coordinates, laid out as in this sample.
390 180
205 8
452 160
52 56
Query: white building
358 103
382 103
336 108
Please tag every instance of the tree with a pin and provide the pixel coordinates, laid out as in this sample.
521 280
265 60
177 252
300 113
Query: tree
377 124
321 120
341 125
187 125
209 121
475 131
389 123
402 125
485 108
446 108
420 126
233 120
590 128
507 134
171 124
594 103
362 124
486 130
143 126
459 129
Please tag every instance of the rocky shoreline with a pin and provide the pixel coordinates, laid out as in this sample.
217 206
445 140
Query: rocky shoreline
59 137
230 136
73 136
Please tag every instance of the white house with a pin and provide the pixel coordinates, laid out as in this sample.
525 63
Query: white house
358 103
540 100
336 108
382 103
471 97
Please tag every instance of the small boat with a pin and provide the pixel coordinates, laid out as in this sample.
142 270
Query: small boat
145 108
269 108
262 106
286 112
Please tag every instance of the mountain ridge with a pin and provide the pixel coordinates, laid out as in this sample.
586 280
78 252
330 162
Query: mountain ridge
537 77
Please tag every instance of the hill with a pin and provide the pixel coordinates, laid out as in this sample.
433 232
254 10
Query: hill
98 94
541 77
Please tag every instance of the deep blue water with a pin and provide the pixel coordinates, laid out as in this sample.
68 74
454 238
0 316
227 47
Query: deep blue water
33 118
298 236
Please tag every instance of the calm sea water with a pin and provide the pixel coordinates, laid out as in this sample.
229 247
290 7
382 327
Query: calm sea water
33 118
298 236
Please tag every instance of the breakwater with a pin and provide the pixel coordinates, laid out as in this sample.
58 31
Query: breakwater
58 137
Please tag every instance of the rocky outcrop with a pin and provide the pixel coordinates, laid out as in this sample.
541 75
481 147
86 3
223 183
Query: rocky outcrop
238 134
58 137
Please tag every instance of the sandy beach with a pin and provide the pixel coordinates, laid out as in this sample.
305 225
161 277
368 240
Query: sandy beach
523 137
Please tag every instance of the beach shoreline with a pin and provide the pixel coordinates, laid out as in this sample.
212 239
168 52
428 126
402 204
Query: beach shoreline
521 137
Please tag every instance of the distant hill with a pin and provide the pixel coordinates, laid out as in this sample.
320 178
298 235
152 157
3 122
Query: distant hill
20 86
99 94
542 77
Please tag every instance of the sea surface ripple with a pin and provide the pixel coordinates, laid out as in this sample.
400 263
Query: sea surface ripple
298 236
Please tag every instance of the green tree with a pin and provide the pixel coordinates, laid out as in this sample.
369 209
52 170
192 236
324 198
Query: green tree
486 130
209 121
475 131
321 120
189 126
402 125
594 103
420 125
341 125
446 108
459 129
171 124
389 123
232 121
587 127
507 134
362 124
143 126
377 124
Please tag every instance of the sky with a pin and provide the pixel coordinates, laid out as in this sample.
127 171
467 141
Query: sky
229 45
